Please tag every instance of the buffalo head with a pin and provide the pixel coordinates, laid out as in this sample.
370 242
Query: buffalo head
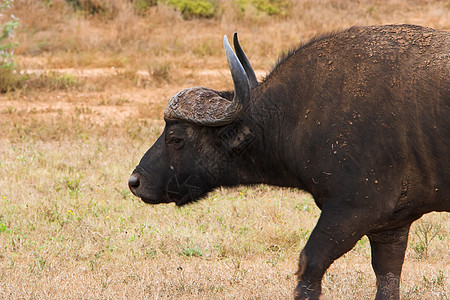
202 141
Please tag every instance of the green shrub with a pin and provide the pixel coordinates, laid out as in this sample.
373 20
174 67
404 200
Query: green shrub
6 47
269 7
142 6
108 8
194 8
89 7
10 79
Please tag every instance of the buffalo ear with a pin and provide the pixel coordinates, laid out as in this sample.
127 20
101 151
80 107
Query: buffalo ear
237 138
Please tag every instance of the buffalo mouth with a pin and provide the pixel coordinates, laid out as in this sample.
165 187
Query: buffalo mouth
143 185
185 188
180 188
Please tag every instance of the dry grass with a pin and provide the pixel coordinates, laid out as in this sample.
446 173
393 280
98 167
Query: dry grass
69 227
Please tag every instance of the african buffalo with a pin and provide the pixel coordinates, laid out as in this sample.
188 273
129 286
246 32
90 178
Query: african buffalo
358 118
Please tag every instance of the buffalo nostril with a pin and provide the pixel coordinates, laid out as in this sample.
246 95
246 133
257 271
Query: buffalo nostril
134 181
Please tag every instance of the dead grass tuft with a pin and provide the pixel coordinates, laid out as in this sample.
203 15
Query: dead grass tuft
10 80
160 72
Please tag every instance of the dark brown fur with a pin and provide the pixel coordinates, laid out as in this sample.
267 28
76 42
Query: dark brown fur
358 118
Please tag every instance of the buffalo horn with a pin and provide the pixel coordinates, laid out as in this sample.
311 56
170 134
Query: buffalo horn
245 62
240 80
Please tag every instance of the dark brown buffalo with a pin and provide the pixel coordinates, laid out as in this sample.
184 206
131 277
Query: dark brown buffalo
359 118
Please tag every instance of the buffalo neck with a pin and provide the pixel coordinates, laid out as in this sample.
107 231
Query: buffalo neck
266 116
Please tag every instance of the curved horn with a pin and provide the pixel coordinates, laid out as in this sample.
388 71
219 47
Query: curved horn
207 107
245 62
240 80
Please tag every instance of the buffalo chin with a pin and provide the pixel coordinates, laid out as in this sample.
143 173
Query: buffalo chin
188 199
148 200
186 188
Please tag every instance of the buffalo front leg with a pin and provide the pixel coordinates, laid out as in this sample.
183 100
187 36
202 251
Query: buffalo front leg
336 232
388 253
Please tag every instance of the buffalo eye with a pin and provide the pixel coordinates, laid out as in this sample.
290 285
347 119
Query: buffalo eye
175 142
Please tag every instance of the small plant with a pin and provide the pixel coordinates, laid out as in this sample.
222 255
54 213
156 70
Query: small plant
73 186
38 265
426 232
3 226
192 251
151 253
438 280
160 72
53 81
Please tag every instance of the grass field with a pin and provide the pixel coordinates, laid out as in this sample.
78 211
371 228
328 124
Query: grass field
93 104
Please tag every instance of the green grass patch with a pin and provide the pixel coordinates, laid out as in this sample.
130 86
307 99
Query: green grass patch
54 81
192 251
